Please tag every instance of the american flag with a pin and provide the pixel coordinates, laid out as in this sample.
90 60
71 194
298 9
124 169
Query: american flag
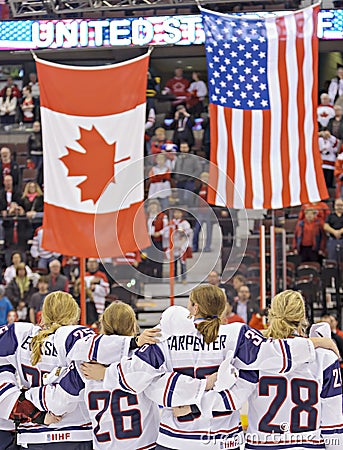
262 74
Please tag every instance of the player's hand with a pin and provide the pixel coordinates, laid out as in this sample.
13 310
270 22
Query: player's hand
149 336
179 411
326 343
210 381
93 371
51 418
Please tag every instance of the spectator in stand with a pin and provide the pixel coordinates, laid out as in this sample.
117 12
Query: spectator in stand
156 222
20 288
35 303
12 317
214 279
16 226
91 312
149 127
22 311
9 167
325 111
187 168
335 125
328 149
35 150
197 92
338 340
9 196
98 283
5 306
338 173
229 316
159 181
27 106
34 85
182 126
244 306
159 139
309 237
57 281
334 227
177 86
37 251
203 216
11 270
15 90
32 199
321 208
8 108
238 281
336 86
182 238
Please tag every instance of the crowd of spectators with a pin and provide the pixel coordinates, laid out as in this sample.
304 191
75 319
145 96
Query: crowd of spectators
330 123
176 189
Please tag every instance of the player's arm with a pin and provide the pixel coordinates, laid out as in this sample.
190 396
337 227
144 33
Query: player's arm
59 398
331 402
254 352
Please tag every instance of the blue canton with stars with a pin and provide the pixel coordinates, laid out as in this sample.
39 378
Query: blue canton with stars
237 55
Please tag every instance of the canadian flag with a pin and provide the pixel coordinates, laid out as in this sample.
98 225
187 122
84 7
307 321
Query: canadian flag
93 133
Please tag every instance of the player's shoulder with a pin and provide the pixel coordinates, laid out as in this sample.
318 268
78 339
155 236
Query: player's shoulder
68 335
233 329
13 335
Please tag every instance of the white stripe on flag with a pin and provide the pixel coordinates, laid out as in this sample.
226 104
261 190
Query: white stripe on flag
293 133
276 114
61 131
311 179
237 142
222 155
256 159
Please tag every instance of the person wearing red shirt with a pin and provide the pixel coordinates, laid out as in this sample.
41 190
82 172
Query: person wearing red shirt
177 86
321 208
15 90
309 237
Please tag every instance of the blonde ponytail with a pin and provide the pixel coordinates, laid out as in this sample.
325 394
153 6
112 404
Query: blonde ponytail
211 302
286 315
59 309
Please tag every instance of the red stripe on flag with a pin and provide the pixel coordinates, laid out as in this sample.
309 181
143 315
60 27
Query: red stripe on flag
213 179
231 164
317 159
93 92
94 236
266 172
304 198
284 93
246 150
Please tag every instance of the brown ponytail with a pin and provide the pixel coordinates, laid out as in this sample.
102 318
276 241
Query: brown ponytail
211 302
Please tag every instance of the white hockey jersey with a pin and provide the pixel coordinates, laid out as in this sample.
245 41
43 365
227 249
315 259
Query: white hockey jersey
15 353
121 420
189 355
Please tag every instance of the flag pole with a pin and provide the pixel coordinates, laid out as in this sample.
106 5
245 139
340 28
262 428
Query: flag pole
262 267
83 291
273 257
171 262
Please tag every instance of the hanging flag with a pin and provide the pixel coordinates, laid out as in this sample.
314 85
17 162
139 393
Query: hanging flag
93 134
263 92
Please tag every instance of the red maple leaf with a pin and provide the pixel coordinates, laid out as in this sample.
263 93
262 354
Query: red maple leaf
97 164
